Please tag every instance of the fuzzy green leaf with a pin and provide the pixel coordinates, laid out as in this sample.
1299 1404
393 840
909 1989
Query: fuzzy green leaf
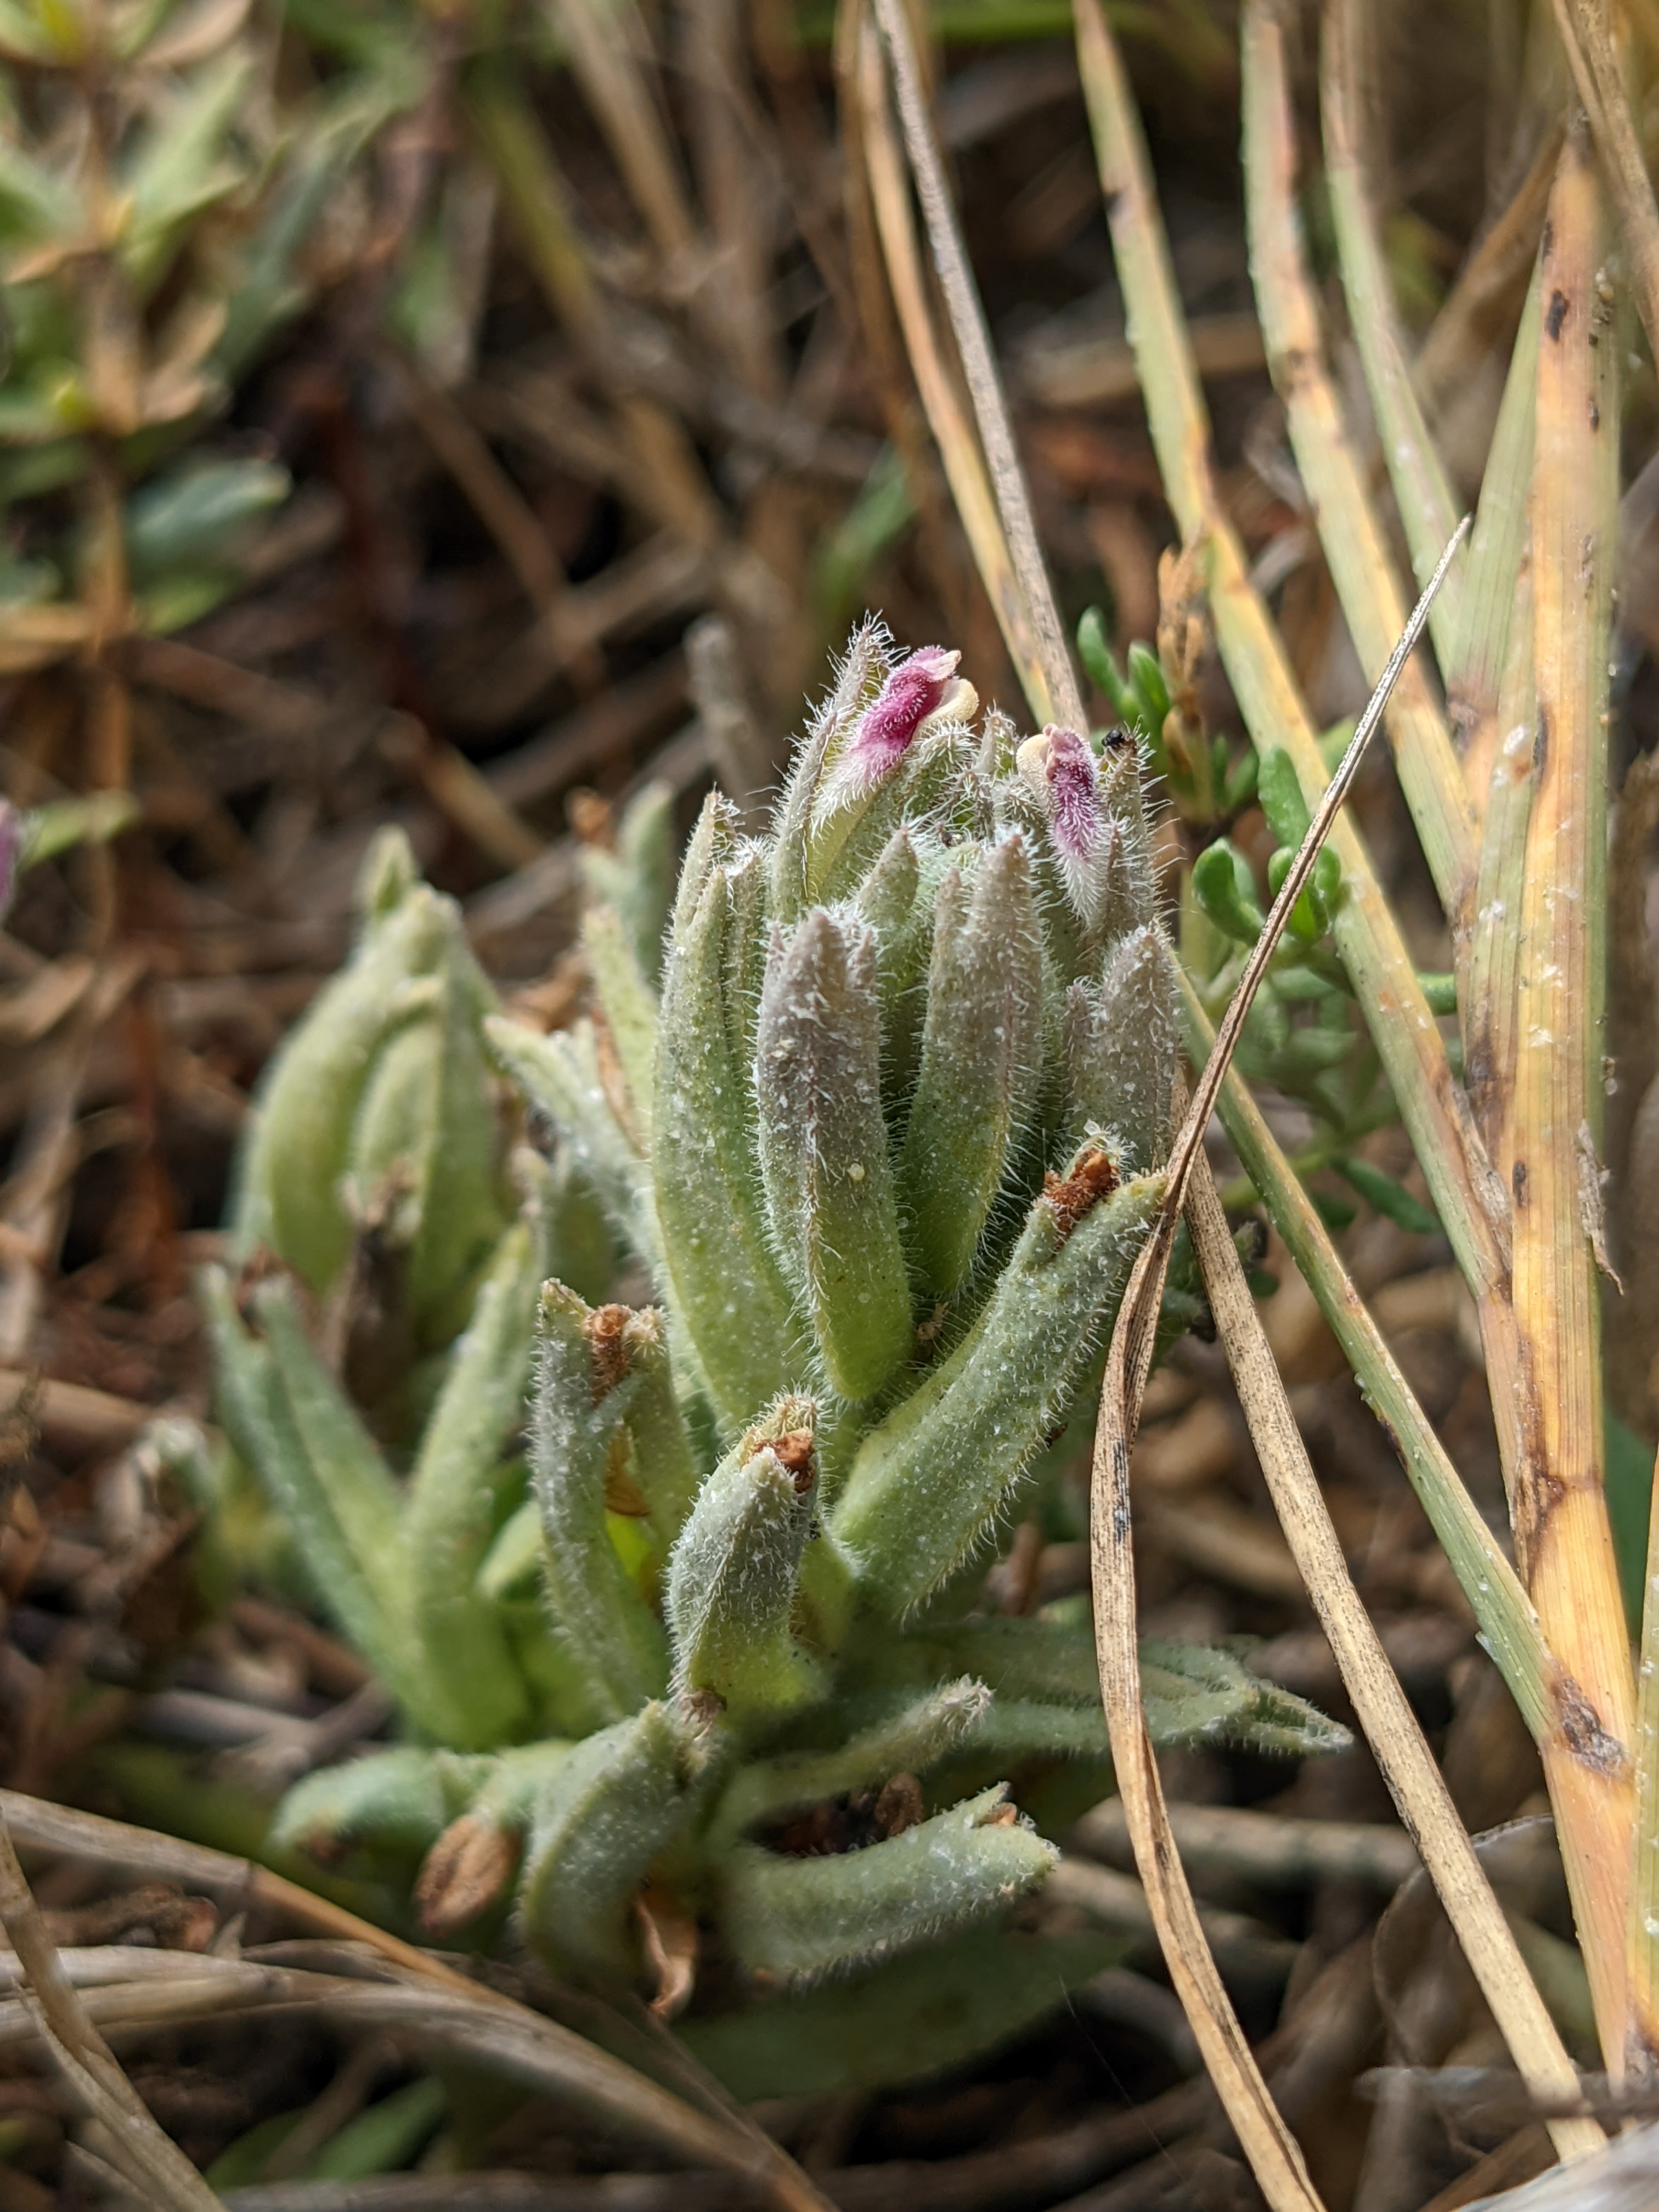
803 1918
1121 1051
930 1481
824 1150
982 1062
733 1573
620 1799
928 2012
611 1637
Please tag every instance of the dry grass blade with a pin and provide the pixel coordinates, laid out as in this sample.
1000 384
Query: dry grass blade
1470 1200
135 1989
1599 78
979 364
970 478
612 2090
1275 2156
128 2135
1415 1782
1480 307
1422 490
608 46
1644 1884
1499 554
1486 993
1355 549
1557 1502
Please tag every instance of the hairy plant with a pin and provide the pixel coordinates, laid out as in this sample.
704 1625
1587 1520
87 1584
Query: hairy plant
879 1111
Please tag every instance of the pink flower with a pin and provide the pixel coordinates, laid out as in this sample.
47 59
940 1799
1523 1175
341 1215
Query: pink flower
921 684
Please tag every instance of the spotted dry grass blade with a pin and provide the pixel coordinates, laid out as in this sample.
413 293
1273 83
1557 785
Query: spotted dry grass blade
1557 1501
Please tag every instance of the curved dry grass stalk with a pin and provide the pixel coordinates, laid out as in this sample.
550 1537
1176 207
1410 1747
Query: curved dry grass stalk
1355 550
1415 1782
550 2056
1274 2155
49 2007
1275 2158
965 467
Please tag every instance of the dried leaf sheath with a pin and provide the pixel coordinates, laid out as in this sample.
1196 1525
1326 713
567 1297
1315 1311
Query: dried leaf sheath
1562 1536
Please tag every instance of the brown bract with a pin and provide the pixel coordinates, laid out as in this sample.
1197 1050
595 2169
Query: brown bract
1070 1197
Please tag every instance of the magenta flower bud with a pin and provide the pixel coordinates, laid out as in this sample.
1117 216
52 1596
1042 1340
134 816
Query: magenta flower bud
1060 766
922 683
1073 795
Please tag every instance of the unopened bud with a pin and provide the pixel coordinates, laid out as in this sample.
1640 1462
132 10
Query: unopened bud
733 1574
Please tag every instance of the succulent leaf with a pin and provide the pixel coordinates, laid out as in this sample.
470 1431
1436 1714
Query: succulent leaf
611 1637
629 1005
801 1919
733 1573
401 1798
982 1062
451 1496
636 881
930 1481
619 1799
732 1297
1121 1049
823 1150
288 1196
561 1075
924 2013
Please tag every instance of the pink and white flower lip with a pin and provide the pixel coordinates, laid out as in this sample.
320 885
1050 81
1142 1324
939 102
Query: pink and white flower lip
923 684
